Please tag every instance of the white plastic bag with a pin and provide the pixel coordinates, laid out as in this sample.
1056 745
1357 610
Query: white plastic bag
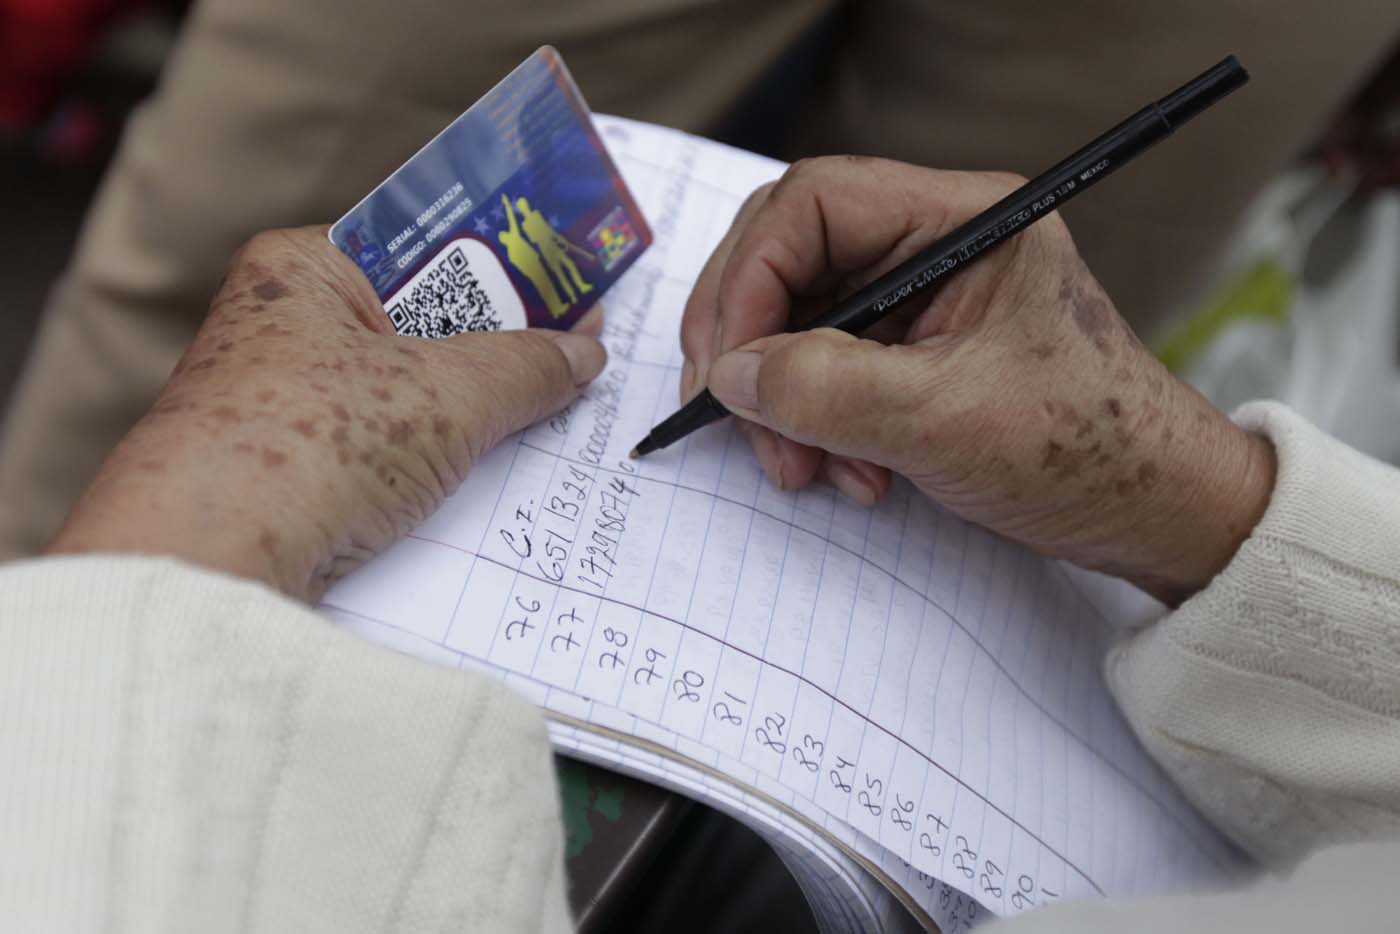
1309 313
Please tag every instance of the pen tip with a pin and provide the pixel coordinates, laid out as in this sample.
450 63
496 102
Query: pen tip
633 454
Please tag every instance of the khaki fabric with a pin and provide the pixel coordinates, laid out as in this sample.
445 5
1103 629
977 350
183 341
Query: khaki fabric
274 113
1019 84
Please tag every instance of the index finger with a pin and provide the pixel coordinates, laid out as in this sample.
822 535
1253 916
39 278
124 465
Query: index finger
840 219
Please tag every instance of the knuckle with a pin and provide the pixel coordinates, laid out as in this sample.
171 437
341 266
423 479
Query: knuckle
756 199
793 383
526 366
800 177
261 249
698 323
1006 182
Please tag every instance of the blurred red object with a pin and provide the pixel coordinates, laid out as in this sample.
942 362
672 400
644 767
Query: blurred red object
1364 142
42 45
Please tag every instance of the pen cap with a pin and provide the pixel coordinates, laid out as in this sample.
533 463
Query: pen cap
1199 93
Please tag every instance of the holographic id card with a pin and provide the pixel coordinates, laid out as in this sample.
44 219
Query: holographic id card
513 216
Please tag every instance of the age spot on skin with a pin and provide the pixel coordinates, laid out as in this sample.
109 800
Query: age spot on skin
340 412
266 395
305 427
226 346
269 290
226 413
340 435
1113 407
382 394
268 541
1091 313
1147 474
273 458
1042 351
400 431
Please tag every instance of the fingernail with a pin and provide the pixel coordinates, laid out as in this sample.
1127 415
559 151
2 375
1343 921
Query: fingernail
868 474
591 323
849 481
734 381
585 355
765 448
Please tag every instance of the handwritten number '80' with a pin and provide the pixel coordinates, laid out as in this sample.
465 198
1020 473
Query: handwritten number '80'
685 686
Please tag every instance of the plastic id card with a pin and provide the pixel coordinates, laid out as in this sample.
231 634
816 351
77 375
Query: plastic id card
513 216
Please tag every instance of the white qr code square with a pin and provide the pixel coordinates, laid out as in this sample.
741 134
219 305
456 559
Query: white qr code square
442 299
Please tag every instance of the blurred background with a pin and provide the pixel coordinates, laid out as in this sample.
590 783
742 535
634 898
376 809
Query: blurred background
1259 254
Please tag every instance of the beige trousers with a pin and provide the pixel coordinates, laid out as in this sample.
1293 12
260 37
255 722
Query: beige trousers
282 112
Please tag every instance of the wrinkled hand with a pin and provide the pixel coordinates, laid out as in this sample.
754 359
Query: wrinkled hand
299 436
1016 396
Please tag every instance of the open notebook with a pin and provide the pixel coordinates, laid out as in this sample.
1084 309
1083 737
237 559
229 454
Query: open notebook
908 708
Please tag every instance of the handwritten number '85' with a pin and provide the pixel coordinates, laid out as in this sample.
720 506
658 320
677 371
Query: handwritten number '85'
869 795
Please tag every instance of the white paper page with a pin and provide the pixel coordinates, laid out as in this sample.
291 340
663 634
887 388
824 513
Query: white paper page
924 691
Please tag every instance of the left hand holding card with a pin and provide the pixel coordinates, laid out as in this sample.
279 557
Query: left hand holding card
299 436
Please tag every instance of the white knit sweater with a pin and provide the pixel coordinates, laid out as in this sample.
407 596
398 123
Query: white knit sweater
180 751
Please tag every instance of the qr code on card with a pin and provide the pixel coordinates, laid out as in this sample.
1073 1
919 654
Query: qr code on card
442 299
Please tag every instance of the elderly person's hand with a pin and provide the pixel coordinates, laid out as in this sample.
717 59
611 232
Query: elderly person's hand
299 435
1016 396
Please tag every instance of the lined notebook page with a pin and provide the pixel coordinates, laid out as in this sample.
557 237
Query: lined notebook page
916 690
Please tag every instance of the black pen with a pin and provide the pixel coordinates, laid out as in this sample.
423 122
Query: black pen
1023 207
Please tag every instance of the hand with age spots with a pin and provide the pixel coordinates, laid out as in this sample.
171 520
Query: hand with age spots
1016 396
299 435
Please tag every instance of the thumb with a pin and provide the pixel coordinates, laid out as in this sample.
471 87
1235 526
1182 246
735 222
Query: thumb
828 389
508 380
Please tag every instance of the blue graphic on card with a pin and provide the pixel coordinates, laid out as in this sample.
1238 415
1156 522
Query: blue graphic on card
513 216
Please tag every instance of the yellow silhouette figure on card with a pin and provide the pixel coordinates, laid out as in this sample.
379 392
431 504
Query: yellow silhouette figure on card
524 258
553 248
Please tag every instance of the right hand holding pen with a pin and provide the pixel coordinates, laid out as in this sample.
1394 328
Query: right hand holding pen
1016 396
